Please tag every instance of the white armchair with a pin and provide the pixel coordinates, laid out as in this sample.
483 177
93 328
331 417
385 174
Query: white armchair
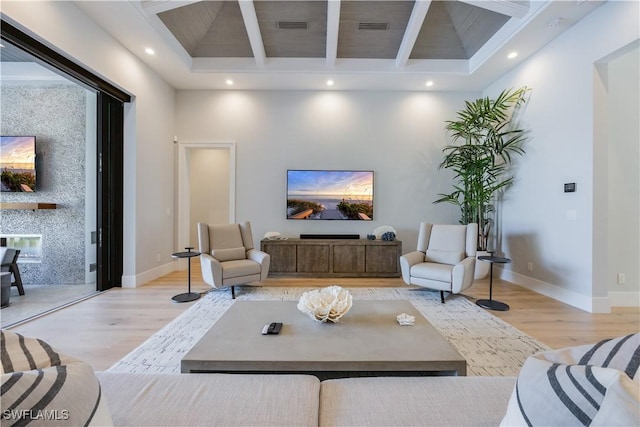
228 257
445 259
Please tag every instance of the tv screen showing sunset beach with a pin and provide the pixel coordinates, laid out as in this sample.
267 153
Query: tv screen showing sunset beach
18 163
323 194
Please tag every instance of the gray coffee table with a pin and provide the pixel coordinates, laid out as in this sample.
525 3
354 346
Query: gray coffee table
368 341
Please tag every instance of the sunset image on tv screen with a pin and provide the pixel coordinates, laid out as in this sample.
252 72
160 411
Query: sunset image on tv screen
18 163
318 194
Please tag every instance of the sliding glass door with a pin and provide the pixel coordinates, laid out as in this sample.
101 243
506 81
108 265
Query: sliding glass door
108 155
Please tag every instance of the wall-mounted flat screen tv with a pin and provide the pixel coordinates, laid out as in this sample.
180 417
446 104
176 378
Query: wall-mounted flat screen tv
18 163
330 194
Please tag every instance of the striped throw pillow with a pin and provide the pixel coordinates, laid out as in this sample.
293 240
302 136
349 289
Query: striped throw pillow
592 385
41 386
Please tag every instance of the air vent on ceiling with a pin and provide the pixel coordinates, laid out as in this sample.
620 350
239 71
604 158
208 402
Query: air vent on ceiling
379 26
292 25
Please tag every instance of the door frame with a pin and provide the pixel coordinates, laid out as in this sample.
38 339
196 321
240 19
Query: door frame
184 193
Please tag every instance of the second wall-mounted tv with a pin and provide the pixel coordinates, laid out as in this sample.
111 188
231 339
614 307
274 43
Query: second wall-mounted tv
18 163
330 195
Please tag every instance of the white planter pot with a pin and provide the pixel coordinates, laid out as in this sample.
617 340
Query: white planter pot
482 267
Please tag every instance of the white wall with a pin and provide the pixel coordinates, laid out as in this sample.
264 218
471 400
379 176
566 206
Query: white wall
149 128
560 114
398 135
623 80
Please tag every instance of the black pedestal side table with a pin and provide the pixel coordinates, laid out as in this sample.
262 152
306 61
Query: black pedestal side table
490 303
189 296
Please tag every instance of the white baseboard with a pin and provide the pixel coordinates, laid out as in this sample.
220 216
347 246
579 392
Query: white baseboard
625 299
574 299
149 275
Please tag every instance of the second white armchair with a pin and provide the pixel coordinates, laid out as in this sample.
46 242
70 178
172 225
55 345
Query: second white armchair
445 259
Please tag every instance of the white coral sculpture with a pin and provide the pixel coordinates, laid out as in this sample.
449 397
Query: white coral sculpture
378 232
327 304
271 235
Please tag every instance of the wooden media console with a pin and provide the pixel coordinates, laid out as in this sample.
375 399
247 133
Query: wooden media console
333 257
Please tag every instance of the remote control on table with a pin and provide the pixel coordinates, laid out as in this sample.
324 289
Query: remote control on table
272 328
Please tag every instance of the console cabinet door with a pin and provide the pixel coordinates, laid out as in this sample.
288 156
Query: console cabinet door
382 259
313 258
283 257
348 259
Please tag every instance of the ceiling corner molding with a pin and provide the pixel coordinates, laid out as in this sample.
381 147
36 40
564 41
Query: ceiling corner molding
515 9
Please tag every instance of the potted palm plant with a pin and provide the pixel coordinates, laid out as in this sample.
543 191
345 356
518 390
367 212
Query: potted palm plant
484 139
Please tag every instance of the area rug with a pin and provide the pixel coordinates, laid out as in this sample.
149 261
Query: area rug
490 346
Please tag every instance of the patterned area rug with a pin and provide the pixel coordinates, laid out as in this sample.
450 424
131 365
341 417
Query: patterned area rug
491 346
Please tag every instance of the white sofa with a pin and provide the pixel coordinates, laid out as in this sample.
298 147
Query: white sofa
597 385
302 400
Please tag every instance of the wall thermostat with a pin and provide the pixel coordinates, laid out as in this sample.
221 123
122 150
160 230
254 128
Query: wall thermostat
570 187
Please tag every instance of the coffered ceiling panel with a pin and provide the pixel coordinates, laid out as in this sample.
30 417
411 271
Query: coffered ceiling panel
474 25
293 29
209 29
372 29
438 38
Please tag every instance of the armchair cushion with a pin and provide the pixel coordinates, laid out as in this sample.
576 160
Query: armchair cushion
224 236
229 254
446 237
239 268
444 257
432 271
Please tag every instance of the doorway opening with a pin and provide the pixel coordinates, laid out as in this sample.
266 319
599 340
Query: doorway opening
206 187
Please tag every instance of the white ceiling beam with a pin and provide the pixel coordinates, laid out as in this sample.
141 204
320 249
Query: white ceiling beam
333 27
419 12
515 9
159 6
248 10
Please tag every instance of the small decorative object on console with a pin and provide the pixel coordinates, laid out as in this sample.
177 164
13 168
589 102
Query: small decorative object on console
371 237
389 236
327 304
406 319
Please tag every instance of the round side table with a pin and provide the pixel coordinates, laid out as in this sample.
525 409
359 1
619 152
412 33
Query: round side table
189 296
490 303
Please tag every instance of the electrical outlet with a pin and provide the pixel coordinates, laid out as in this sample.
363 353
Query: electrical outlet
158 257
621 278
530 266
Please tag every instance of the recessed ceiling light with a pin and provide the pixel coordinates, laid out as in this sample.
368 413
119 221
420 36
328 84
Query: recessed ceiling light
229 82
512 55
329 82
150 51
429 83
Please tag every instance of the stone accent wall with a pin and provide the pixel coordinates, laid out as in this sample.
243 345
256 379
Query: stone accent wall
56 115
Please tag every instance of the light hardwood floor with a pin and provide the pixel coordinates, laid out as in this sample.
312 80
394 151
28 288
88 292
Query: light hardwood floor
102 329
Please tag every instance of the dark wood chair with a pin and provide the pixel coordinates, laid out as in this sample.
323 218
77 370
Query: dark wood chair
10 264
